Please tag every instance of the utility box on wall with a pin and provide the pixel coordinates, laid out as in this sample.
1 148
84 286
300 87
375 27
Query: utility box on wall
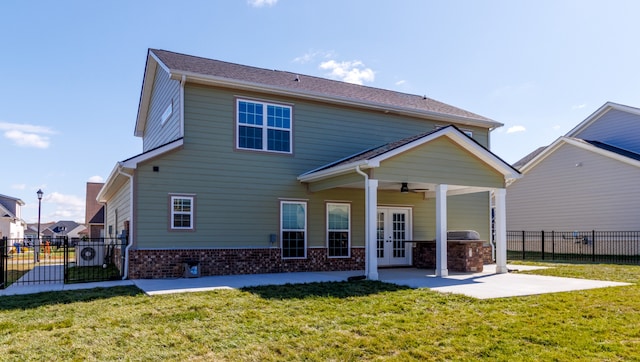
191 269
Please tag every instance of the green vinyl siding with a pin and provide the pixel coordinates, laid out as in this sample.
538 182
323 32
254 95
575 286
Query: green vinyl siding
238 192
118 211
440 161
165 92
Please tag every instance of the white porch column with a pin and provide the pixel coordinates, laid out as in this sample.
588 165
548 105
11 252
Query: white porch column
441 231
371 234
501 229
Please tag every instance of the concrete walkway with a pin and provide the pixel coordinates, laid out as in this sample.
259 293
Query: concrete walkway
478 285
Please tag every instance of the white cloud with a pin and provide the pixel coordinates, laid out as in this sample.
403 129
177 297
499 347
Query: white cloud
350 71
401 82
312 55
516 129
18 186
26 135
579 106
66 207
95 179
261 3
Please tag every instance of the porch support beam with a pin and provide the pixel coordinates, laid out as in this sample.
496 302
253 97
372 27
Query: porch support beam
371 235
500 196
441 231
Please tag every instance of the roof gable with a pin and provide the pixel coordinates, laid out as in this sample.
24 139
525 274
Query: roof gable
599 113
601 148
373 157
202 70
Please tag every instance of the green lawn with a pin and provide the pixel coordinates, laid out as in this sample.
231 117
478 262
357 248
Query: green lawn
328 321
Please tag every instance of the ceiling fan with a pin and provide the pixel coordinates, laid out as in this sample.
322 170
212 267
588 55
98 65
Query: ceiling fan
405 188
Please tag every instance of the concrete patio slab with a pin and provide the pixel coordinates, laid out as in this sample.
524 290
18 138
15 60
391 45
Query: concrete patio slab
478 285
488 284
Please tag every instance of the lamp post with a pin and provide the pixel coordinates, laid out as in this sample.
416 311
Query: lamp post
36 249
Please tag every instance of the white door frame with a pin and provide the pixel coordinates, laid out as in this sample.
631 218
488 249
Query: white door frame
388 237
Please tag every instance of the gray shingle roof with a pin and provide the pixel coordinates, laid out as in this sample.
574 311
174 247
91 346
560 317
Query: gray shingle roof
182 63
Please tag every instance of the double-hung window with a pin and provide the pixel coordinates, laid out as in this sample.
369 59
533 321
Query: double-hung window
182 213
338 229
293 229
263 126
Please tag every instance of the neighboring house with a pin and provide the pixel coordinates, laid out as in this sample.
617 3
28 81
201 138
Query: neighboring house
586 180
11 223
94 211
250 170
68 228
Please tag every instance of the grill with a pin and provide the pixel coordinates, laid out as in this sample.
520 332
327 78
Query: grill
463 235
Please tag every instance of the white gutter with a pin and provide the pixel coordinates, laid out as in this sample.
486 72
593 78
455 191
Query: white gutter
222 81
131 223
182 82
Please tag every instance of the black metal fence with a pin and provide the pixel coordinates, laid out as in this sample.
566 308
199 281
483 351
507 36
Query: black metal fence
60 260
621 247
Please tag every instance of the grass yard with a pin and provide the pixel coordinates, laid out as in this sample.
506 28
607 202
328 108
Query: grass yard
361 320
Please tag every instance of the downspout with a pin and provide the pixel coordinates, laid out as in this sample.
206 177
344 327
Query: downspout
182 83
366 220
131 223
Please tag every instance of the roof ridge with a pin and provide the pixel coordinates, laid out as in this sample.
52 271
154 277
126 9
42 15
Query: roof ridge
320 85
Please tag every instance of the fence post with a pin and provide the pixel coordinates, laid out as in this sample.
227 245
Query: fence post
523 253
553 245
3 256
65 242
542 240
593 245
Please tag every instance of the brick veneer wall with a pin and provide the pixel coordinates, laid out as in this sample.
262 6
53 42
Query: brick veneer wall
458 259
155 264
487 254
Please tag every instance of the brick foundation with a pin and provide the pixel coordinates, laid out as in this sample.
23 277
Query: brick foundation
157 264
462 256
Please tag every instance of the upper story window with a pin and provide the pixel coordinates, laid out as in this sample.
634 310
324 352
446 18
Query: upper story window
263 126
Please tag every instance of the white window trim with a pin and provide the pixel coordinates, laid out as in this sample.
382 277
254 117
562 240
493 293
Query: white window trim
167 113
348 230
265 127
173 213
282 230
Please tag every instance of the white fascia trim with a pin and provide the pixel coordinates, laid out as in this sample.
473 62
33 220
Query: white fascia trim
200 78
101 197
578 143
338 170
461 140
589 147
133 162
599 113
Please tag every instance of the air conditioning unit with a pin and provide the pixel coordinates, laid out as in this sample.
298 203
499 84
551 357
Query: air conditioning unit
89 253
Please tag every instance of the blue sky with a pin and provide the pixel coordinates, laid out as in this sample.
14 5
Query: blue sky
71 71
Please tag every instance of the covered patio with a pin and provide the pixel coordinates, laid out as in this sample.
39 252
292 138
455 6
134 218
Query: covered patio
438 164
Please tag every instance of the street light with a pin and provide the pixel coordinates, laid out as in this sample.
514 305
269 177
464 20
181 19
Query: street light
36 249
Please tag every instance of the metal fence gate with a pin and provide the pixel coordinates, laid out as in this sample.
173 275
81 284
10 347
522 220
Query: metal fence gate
60 260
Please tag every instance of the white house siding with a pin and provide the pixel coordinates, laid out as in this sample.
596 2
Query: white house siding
575 189
165 91
617 128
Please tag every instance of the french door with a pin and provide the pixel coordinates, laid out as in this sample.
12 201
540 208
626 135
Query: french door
394 227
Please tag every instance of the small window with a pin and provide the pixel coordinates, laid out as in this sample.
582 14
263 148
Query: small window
293 229
167 113
182 211
263 126
338 230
